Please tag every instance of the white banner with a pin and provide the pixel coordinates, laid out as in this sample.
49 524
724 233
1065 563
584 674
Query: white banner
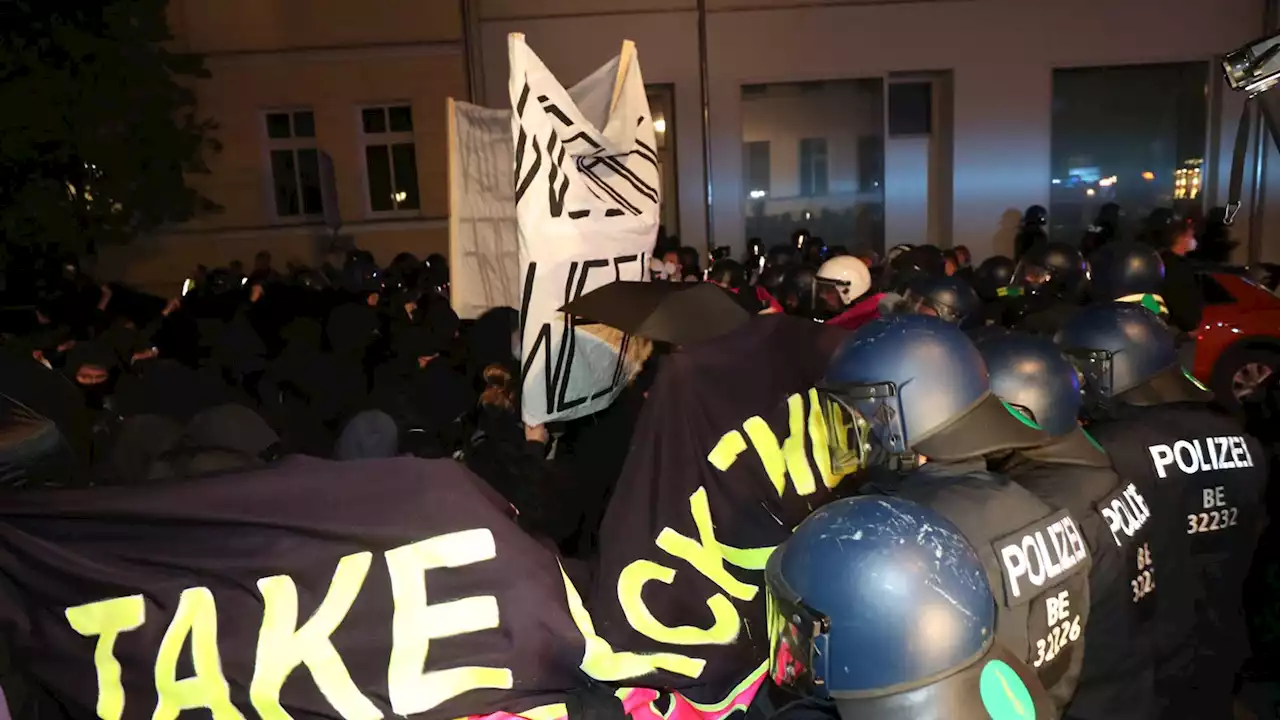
484 254
586 198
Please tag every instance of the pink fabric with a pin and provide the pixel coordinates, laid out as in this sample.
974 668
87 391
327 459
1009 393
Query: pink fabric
638 704
858 314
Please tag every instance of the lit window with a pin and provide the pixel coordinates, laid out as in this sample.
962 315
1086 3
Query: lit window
295 164
390 162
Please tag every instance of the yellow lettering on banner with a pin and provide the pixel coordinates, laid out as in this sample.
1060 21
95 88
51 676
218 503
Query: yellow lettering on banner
283 646
727 450
704 556
107 619
602 662
197 617
787 458
414 623
631 582
818 437
768 450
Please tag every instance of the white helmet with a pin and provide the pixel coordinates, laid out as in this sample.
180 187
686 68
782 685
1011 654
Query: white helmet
848 276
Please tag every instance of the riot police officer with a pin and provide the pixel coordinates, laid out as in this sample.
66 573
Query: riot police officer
992 275
1207 479
1033 230
880 610
918 262
1071 471
1049 277
1127 271
907 398
949 298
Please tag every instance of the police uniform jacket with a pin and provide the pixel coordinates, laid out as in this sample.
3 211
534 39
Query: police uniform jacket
1036 559
1073 473
1205 480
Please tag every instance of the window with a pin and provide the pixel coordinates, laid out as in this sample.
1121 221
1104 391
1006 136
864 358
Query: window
390 161
813 167
662 106
1132 135
295 164
910 108
1213 292
816 151
755 163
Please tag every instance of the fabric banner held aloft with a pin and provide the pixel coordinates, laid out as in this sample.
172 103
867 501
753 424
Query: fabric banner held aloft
483 250
586 201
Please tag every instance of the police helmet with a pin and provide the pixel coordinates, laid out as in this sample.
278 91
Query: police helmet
897 250
882 606
922 261
994 273
910 385
949 298
797 290
728 273
1125 271
840 281
1054 268
1035 216
1126 353
1031 375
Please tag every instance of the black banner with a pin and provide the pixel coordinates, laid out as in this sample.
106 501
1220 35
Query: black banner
314 589
730 454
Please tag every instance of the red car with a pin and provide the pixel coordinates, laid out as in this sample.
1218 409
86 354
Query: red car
1239 340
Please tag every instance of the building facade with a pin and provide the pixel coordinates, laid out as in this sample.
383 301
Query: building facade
976 101
867 122
326 109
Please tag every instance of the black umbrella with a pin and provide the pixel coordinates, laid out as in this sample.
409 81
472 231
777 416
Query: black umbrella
678 313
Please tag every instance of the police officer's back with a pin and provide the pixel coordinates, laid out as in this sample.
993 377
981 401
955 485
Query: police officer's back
1072 472
1207 479
880 610
913 386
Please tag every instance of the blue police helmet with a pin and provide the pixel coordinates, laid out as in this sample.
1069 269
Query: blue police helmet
1032 375
915 384
947 297
876 598
1122 348
1122 270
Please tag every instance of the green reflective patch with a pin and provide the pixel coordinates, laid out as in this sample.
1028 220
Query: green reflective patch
1022 417
1093 442
1186 373
1009 291
1004 695
1152 303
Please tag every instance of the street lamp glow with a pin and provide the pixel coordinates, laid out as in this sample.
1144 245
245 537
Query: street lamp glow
1148 176
757 194
1090 192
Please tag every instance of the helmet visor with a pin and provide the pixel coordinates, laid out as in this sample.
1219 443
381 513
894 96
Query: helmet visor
918 304
797 636
830 296
1094 369
1031 275
864 426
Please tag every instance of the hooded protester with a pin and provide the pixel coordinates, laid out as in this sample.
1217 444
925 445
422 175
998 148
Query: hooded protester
371 435
512 458
295 390
426 397
139 442
493 338
224 439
